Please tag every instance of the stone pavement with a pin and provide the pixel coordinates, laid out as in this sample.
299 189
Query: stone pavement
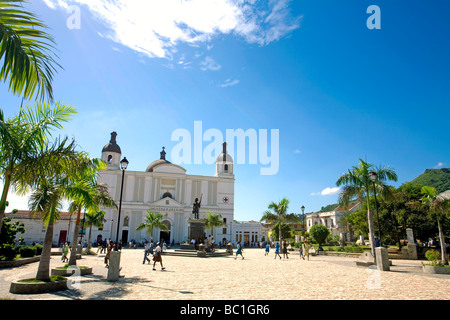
257 277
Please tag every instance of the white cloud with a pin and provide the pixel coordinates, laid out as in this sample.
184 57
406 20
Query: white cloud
155 28
297 151
439 165
327 191
229 83
209 64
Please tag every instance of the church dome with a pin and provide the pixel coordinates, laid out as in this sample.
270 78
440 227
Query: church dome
112 146
224 157
156 163
164 165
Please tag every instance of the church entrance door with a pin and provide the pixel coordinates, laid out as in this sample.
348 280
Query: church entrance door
124 237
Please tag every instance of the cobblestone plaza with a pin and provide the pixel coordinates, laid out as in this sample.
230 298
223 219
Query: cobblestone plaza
257 277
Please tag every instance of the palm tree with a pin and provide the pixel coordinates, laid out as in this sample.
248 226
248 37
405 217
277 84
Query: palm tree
152 220
213 220
437 205
86 193
277 214
47 201
357 184
94 219
25 48
25 153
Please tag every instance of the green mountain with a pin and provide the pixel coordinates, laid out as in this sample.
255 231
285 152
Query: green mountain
437 178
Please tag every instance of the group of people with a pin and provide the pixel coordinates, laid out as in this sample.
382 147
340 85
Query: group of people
107 246
156 253
303 250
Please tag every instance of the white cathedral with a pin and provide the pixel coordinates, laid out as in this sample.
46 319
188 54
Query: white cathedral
165 188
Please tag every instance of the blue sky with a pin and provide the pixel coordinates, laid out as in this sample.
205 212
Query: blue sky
336 90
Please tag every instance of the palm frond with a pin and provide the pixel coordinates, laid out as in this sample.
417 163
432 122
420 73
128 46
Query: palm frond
26 50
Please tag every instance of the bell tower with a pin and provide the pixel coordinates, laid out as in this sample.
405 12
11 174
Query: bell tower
224 164
111 153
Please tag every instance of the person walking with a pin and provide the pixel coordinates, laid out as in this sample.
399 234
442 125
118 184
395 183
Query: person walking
65 252
150 248
277 250
284 250
108 254
267 249
146 252
157 256
239 251
305 248
300 252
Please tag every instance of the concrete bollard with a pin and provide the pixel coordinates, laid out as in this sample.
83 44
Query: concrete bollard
114 266
382 259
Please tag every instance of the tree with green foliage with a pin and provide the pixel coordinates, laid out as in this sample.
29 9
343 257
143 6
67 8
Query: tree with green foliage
26 50
47 200
213 220
152 220
357 184
284 228
10 230
438 206
277 214
319 233
84 192
94 219
26 155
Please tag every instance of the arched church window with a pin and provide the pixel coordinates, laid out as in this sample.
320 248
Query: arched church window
225 167
109 158
167 194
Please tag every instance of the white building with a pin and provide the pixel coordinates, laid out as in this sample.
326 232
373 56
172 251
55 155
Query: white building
165 188
332 220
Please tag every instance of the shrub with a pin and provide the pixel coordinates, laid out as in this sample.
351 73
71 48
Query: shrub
433 255
7 251
353 249
319 233
27 251
38 249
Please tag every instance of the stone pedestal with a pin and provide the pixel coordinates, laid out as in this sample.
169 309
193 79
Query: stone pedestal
382 259
114 266
412 251
342 239
196 229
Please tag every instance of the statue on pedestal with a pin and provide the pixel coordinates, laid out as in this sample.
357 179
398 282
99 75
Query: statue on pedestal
196 207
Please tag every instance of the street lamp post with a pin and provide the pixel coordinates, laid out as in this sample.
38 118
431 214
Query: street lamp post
123 165
373 178
304 218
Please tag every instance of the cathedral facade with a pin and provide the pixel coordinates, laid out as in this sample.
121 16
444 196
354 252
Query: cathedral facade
166 188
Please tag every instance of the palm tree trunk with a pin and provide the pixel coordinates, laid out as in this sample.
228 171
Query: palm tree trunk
442 242
6 185
89 240
73 253
43 272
